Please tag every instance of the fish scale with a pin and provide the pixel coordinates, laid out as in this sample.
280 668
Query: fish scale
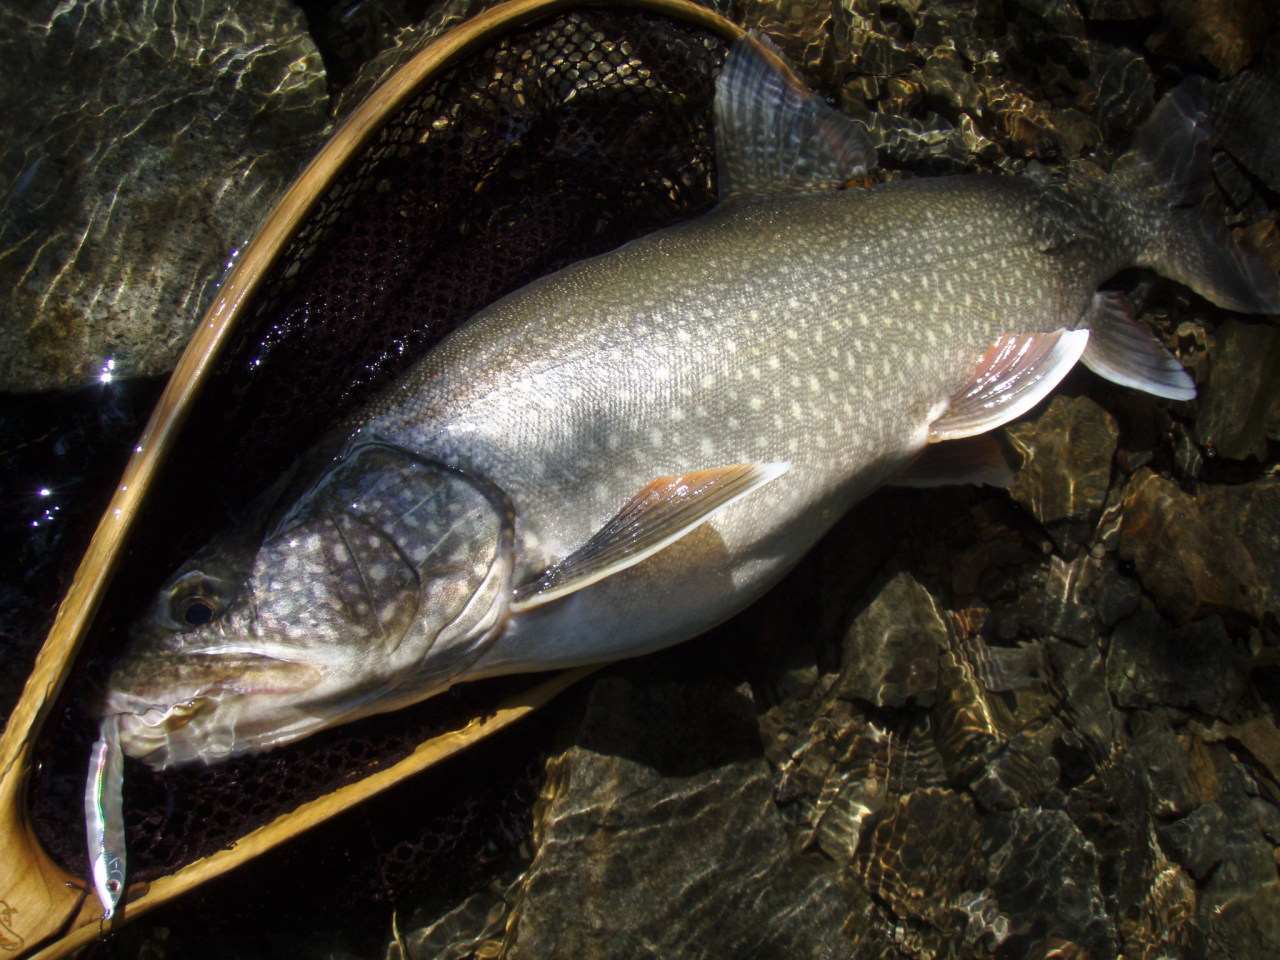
624 453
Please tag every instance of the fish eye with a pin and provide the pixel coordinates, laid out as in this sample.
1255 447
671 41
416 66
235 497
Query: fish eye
195 611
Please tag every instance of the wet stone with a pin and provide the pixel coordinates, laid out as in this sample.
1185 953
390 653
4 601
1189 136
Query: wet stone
1109 808
1237 186
1081 675
125 194
1044 874
1066 461
946 79
1239 408
802 28
1221 34
1241 111
970 722
925 855
1053 19
1118 9
891 649
1021 772
1245 869
1196 665
1185 559
650 795
1057 603
465 930
1124 89
1259 737
1194 841
1164 924
1251 513
1166 762
1115 596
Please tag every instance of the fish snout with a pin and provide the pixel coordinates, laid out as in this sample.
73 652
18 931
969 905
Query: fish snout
202 707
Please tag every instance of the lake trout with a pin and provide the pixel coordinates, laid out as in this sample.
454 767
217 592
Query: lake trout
621 455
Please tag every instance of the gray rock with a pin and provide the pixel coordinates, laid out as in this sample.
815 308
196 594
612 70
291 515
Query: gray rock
1241 111
1240 405
925 858
1044 874
1251 512
661 839
1166 762
124 195
1195 841
1195 665
1124 87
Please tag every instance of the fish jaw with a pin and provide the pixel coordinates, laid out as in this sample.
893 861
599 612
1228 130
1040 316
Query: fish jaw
209 706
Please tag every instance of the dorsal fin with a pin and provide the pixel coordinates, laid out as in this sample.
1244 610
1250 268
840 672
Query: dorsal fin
773 136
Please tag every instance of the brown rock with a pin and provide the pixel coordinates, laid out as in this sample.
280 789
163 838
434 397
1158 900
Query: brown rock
1066 460
1184 556
1225 34
891 649
662 839
925 853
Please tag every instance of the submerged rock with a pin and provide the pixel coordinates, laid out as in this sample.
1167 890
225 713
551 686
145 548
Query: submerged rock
891 649
1192 564
1196 665
1240 405
1222 34
659 838
146 141
1241 111
1066 462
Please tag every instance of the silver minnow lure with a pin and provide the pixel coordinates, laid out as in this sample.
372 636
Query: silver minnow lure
622 454
104 816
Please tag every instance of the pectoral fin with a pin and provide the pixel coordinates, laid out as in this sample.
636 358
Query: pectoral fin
661 513
1017 372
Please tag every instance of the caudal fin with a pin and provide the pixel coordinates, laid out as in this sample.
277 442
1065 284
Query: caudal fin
1169 163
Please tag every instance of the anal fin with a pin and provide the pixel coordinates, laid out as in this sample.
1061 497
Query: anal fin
658 515
1125 352
1019 371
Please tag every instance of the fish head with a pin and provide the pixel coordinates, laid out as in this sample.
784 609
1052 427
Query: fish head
373 589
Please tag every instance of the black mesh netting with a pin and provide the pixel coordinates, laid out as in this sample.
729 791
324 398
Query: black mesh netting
555 142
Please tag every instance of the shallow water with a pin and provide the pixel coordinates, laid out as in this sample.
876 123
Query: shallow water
972 723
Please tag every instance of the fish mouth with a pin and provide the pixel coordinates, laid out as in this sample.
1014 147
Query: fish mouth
205 706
